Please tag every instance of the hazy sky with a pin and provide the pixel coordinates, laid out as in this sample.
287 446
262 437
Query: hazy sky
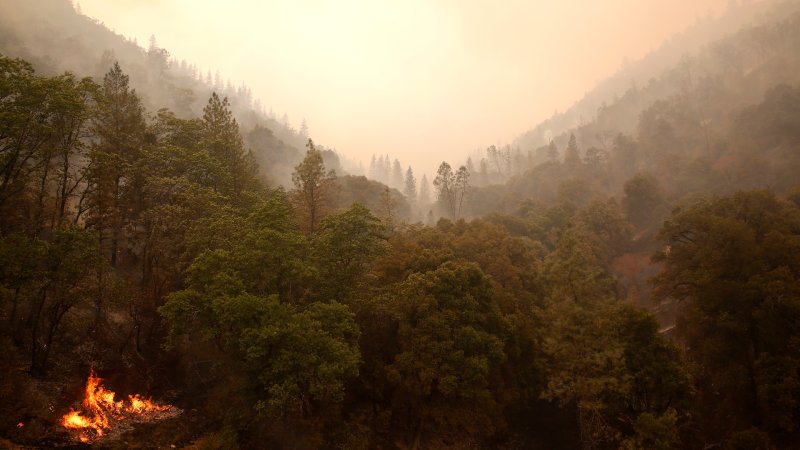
412 78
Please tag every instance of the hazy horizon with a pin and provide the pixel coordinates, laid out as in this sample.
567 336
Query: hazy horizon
414 79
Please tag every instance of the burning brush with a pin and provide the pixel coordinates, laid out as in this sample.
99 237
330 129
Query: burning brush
101 414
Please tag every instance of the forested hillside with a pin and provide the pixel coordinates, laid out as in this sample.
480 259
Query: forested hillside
629 287
54 37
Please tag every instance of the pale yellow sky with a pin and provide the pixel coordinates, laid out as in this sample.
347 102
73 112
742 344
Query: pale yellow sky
421 80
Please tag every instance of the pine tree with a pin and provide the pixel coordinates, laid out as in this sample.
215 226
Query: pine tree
224 142
444 183
397 175
410 189
313 188
387 170
572 155
119 130
304 129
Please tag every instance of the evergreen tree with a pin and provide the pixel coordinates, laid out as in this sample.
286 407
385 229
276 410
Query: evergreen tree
410 189
313 188
118 127
572 155
224 142
732 262
461 187
397 175
304 129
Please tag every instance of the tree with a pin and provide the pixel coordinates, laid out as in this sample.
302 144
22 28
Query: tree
397 175
303 129
501 158
604 356
313 188
572 155
72 125
410 189
642 199
42 147
461 186
157 57
343 247
119 130
388 209
296 361
21 132
224 142
451 188
623 158
732 263
50 279
595 158
450 337
444 183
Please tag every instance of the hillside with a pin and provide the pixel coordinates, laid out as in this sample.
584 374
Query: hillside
708 39
55 38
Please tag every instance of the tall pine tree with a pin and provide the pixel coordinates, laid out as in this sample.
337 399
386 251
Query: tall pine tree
118 127
224 142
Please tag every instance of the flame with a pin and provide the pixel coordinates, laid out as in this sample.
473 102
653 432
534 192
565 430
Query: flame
100 412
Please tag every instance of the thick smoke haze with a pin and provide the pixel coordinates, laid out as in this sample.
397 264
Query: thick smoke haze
420 80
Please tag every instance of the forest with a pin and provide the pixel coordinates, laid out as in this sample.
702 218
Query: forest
628 282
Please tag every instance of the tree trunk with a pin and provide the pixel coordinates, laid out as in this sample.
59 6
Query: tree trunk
35 369
418 434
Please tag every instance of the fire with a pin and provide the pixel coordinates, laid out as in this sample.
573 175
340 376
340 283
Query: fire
101 413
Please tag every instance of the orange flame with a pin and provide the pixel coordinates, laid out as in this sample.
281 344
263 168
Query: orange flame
100 411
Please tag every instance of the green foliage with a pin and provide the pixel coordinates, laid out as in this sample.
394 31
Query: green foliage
224 142
733 262
343 247
44 121
603 356
313 188
642 199
653 432
43 282
297 359
451 337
